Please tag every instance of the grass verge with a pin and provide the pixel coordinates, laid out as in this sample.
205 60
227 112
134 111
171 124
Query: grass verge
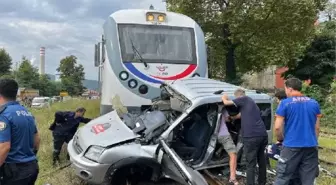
43 119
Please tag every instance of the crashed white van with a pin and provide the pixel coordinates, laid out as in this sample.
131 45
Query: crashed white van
171 142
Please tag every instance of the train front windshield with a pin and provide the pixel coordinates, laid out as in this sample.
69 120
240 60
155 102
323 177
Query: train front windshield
157 43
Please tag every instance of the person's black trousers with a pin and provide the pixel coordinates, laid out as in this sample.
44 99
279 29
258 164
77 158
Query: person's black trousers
301 161
254 149
59 139
20 173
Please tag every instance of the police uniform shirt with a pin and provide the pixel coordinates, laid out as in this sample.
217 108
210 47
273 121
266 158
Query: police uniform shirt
18 127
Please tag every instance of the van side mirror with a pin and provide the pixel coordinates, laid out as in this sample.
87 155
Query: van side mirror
97 55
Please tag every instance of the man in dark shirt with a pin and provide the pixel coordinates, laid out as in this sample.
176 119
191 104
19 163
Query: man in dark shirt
64 128
254 135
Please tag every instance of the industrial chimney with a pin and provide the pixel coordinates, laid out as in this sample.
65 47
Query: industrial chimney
42 61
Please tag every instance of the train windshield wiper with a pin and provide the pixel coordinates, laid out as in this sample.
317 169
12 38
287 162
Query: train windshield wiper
136 52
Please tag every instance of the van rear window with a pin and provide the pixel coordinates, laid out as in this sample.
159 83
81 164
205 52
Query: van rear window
266 114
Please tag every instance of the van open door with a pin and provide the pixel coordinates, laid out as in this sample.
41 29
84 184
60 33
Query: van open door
174 168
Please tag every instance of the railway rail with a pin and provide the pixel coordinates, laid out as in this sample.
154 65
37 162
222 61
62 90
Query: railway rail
328 134
329 149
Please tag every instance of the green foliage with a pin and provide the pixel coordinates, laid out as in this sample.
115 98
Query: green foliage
11 76
43 118
333 87
250 35
5 62
58 87
72 75
329 115
48 87
27 75
318 62
314 91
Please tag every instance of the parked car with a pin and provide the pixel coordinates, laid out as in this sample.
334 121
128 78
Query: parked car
174 140
56 99
40 102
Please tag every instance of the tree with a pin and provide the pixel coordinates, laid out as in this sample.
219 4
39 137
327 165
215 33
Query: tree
72 75
250 35
58 87
318 61
46 87
27 75
5 62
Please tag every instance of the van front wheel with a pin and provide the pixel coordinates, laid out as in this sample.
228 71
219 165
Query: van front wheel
137 175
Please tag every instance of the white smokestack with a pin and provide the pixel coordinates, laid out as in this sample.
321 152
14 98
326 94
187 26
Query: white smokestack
42 61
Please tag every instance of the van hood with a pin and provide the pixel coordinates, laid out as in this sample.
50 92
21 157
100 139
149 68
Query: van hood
104 131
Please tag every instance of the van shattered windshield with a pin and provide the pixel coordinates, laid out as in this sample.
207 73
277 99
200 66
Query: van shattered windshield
157 43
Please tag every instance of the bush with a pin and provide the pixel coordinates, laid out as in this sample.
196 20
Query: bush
333 87
314 91
329 115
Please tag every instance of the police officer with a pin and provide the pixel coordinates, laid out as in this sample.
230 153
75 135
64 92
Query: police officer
64 128
19 138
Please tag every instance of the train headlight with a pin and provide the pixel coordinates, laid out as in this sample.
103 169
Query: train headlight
161 18
123 75
132 83
150 17
143 89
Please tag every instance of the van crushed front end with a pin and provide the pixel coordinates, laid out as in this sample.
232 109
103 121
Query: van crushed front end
90 144
108 143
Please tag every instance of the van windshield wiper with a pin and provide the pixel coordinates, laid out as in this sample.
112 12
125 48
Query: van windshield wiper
136 52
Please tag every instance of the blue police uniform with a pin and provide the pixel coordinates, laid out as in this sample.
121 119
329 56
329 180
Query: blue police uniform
63 129
299 153
17 126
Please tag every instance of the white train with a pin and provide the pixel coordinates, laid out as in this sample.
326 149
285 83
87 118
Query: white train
143 48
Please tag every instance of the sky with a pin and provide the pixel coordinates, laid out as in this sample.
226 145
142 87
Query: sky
63 27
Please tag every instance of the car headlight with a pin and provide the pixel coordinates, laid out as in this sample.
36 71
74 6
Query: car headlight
94 153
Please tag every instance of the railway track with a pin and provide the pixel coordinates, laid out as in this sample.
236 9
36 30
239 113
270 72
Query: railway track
325 148
323 161
328 134
212 179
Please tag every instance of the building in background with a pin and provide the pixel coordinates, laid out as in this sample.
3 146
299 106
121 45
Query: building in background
268 79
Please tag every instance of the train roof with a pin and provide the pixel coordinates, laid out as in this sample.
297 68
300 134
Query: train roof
132 16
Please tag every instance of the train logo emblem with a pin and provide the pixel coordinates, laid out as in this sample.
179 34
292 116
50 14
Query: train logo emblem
161 68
